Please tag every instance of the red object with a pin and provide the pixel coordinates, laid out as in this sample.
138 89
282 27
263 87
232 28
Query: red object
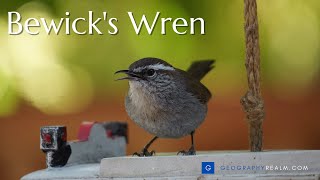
84 130
109 134
47 138
64 136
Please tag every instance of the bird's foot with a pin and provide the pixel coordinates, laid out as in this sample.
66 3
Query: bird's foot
191 151
144 153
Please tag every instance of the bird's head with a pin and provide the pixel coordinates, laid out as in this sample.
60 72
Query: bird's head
149 73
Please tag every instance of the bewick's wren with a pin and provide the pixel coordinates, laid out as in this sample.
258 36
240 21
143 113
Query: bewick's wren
166 101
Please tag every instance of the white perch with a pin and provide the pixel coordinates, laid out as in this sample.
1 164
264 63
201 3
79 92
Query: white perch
189 167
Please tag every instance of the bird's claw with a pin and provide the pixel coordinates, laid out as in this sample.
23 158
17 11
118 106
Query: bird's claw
191 151
144 153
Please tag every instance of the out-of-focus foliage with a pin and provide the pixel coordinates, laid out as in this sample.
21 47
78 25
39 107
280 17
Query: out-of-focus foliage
8 95
63 73
291 43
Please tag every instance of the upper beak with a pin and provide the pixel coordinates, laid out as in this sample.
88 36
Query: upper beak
131 75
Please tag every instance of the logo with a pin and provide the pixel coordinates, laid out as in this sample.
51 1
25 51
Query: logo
207 168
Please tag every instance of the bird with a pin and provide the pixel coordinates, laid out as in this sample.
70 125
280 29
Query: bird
166 101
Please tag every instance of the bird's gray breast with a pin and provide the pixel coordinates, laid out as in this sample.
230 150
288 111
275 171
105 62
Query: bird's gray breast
172 113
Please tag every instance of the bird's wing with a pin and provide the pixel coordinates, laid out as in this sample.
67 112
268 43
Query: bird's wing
194 86
199 69
199 91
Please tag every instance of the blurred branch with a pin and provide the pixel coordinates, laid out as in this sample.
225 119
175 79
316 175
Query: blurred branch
252 101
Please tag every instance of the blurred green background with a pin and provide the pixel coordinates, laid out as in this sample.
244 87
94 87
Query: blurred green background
78 67
65 79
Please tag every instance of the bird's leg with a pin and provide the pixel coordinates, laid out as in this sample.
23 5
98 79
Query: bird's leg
144 151
191 151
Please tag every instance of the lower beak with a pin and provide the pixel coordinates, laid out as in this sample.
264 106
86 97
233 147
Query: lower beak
131 75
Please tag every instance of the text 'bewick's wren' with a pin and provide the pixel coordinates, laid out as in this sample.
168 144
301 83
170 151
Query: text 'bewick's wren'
166 101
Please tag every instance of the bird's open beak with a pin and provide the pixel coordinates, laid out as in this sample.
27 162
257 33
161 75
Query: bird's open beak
131 75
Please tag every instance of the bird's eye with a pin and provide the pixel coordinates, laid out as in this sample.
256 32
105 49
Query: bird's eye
150 72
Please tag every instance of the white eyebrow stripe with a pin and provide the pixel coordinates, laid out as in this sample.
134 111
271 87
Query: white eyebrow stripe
155 67
161 67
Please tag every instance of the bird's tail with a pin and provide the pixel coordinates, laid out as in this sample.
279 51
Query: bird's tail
199 69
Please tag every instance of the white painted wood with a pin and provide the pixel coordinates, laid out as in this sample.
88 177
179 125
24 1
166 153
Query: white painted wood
180 166
169 167
83 171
